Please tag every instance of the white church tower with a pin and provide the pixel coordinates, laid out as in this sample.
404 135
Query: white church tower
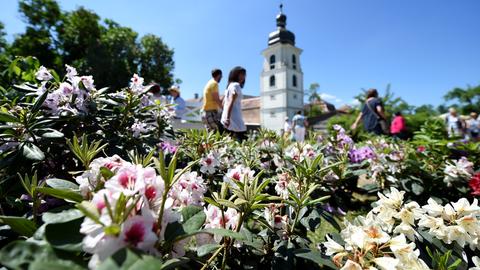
281 81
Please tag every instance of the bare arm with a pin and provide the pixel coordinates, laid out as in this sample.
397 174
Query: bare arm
229 108
355 124
381 112
217 99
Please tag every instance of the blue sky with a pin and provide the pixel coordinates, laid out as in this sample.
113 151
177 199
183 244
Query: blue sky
423 48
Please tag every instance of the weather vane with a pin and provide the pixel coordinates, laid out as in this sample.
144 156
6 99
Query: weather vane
281 8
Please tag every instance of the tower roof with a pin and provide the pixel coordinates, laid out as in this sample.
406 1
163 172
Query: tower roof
281 35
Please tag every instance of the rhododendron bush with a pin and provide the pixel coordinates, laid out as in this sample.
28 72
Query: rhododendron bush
95 178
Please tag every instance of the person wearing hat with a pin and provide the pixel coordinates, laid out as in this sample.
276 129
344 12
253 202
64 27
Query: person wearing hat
178 101
473 126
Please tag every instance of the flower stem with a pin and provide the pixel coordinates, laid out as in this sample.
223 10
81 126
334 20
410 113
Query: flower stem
212 258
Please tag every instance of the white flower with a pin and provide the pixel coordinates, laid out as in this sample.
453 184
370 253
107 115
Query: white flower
128 180
138 232
463 207
386 263
138 128
43 74
332 246
351 265
136 84
433 208
393 200
239 173
188 190
88 82
71 72
476 262
209 164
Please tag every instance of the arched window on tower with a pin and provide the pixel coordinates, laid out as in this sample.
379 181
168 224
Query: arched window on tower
272 61
272 81
294 81
294 61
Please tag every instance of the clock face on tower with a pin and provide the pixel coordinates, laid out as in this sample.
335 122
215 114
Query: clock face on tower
281 80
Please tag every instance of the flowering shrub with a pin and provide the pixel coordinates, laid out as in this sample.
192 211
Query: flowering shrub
93 178
379 239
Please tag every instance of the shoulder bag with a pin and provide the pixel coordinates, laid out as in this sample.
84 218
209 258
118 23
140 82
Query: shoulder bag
383 122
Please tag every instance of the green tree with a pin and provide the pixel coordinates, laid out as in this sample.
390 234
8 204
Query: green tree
80 35
110 52
42 18
3 41
118 57
156 61
468 98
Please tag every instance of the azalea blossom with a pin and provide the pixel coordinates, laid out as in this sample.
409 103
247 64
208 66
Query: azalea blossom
209 164
43 74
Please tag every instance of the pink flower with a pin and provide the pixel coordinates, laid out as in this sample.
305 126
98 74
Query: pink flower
138 232
474 184
128 180
238 174
209 164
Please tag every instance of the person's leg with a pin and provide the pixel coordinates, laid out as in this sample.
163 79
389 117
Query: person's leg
301 134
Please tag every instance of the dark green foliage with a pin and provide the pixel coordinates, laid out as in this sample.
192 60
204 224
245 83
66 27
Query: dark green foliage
110 52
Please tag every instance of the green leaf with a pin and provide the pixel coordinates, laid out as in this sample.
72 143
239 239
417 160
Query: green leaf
147 263
22 226
54 265
225 233
61 184
5 117
32 152
106 173
18 254
122 259
53 134
39 102
207 249
63 216
174 263
66 194
316 257
193 220
65 236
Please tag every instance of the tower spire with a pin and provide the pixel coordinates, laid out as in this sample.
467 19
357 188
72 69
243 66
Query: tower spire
281 8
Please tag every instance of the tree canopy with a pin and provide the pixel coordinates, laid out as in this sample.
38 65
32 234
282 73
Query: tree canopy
103 48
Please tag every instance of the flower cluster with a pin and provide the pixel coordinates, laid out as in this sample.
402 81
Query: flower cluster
125 206
299 152
455 222
71 96
217 219
458 170
358 155
381 238
284 183
238 174
188 190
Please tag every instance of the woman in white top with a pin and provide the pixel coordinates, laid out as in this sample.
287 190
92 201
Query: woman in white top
232 118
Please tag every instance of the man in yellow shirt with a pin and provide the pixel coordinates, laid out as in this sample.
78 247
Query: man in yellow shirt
212 103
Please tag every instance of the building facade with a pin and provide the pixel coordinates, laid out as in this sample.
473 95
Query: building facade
281 80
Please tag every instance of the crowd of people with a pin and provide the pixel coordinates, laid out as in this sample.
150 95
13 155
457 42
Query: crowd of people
375 121
225 113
